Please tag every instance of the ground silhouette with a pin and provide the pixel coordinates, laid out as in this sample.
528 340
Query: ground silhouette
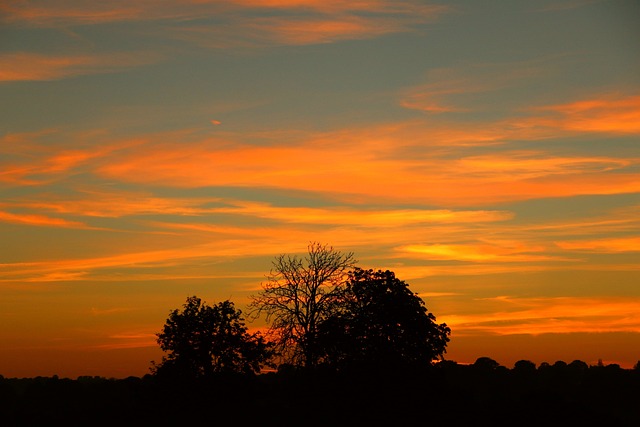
447 394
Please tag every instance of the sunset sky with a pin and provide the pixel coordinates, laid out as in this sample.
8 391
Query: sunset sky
488 152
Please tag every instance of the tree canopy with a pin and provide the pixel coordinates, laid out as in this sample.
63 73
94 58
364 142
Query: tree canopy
378 322
202 340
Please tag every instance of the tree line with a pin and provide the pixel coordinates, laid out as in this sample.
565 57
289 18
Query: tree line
447 393
322 311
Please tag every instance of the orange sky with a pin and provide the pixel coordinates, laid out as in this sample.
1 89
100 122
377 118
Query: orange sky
490 156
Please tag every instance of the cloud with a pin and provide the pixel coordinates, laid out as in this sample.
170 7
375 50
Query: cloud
63 13
39 158
200 236
535 316
464 89
363 218
350 167
516 252
296 30
529 165
608 245
457 89
128 339
24 66
288 22
115 204
112 204
315 31
40 220
421 164
67 12
178 262
608 114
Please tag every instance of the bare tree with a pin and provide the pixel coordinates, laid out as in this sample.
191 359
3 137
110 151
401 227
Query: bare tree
298 295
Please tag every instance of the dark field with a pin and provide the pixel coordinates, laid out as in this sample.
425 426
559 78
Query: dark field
446 395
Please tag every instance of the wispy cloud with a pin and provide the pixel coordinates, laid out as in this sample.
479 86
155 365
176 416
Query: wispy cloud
24 66
128 339
607 114
342 165
70 12
516 252
456 89
115 204
288 22
336 169
535 316
39 158
363 218
608 245
40 220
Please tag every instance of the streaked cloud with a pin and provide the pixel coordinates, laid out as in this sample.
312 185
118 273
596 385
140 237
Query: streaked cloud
342 164
127 340
533 316
112 204
23 66
332 168
476 252
364 218
39 220
618 114
40 158
609 245
289 22
451 89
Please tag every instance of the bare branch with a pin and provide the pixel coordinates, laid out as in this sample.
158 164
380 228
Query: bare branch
297 296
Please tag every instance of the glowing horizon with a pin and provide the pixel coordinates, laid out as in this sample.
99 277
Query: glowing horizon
490 157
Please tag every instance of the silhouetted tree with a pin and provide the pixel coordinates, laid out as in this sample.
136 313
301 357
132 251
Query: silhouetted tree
298 295
203 340
559 365
379 322
578 365
524 367
485 364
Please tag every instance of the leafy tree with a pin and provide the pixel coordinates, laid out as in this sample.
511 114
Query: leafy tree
524 365
524 370
485 364
298 295
378 322
578 365
203 340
